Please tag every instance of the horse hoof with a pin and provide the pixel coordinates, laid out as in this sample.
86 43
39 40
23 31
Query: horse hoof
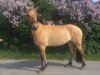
46 65
82 68
38 72
69 64
42 69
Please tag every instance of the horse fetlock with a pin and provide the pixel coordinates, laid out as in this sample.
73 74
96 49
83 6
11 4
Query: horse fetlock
82 67
46 65
83 64
69 64
43 67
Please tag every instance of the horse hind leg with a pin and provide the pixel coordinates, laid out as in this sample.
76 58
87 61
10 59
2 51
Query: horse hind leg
71 48
80 55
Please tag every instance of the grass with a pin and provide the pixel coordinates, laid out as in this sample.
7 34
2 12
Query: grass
11 54
95 57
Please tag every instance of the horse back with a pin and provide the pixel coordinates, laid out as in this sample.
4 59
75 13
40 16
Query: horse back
59 35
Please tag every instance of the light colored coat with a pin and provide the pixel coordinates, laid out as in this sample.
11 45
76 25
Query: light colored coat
50 35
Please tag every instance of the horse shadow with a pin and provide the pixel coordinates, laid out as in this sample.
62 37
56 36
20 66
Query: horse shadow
30 65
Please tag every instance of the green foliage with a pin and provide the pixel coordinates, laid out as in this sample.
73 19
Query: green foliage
45 8
6 31
20 38
14 38
92 39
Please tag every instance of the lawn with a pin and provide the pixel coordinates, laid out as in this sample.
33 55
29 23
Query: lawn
15 54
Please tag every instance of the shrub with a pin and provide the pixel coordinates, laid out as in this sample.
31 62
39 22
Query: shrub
86 14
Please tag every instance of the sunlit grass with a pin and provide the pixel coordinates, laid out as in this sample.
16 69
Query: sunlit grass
11 54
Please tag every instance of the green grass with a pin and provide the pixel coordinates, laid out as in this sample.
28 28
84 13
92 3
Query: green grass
28 54
95 57
11 54
14 55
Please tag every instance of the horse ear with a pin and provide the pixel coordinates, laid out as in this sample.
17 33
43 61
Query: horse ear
27 8
36 8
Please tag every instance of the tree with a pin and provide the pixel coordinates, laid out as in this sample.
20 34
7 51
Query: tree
14 9
86 14
13 27
84 11
45 8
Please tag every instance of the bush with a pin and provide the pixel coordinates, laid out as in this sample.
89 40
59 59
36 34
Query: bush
15 31
13 26
85 14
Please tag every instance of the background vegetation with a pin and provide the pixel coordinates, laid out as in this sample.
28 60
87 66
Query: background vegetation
17 36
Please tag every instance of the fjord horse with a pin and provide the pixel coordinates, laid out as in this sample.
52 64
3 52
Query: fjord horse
51 35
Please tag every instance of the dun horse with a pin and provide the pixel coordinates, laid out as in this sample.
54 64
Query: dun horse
51 35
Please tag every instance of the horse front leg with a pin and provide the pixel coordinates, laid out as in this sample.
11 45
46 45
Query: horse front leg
43 58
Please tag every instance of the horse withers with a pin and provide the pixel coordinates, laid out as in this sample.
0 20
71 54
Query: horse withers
52 35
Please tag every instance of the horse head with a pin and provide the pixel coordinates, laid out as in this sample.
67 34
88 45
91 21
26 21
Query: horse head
31 15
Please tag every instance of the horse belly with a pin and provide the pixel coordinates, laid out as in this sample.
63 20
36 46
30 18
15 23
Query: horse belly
58 39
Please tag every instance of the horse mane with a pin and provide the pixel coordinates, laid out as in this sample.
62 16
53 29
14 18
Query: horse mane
40 19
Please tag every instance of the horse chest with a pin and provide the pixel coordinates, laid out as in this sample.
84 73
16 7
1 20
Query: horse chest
39 39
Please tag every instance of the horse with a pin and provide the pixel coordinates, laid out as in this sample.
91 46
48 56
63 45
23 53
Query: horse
55 35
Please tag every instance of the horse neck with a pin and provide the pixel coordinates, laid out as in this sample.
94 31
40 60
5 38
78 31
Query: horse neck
38 23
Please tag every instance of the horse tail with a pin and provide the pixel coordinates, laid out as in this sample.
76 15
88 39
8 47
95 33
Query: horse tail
78 56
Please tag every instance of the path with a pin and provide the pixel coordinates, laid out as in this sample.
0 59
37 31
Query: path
55 67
